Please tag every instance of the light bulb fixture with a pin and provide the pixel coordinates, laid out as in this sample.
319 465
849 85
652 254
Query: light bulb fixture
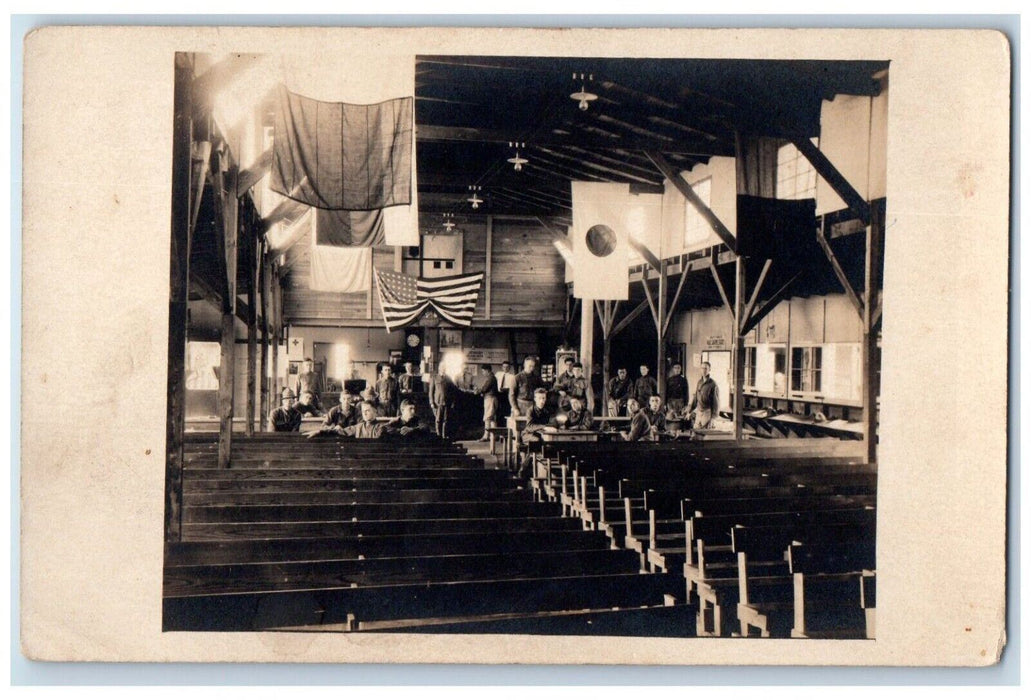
582 96
475 200
449 223
517 161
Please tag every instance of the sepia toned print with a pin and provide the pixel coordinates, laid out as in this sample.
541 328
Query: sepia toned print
687 263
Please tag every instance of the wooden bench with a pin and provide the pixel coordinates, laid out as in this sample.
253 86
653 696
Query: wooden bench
773 612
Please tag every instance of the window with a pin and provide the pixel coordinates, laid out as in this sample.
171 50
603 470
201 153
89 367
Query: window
449 264
696 228
436 264
796 178
806 364
750 367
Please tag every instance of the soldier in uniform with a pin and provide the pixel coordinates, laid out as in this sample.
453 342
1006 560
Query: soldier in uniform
407 424
705 404
539 420
308 381
488 389
388 391
443 395
346 414
676 391
645 386
620 390
286 418
368 428
521 396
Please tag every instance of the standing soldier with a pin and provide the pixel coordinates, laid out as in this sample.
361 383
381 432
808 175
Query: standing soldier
388 392
563 382
676 391
706 402
645 386
443 394
488 389
408 381
526 383
620 389
308 381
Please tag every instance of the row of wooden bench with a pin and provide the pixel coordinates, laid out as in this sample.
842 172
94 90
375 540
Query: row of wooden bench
775 542
330 534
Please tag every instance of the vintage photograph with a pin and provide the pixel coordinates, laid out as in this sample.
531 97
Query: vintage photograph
538 345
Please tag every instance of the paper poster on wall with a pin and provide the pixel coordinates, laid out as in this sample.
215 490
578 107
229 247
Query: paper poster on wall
295 348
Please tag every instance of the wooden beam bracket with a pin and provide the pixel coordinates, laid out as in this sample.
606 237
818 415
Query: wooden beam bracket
685 189
834 178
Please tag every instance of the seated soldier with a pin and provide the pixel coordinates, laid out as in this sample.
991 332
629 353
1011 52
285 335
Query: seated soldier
306 404
407 424
656 416
368 428
639 423
577 417
539 421
286 418
346 414
370 396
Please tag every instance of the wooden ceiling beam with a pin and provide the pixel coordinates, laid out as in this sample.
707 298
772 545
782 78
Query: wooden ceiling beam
685 189
253 174
436 132
623 164
624 171
834 178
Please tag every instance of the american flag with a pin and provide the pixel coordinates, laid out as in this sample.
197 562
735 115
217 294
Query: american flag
404 298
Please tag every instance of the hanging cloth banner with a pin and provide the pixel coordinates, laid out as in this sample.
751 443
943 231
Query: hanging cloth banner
349 228
339 269
333 155
404 298
600 232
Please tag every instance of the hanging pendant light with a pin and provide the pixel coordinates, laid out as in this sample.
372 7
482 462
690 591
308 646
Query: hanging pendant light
475 200
582 96
449 223
517 161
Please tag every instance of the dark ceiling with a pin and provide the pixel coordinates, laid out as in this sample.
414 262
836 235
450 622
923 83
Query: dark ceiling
470 108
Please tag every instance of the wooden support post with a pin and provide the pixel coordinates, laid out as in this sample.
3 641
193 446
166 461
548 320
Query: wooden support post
660 331
487 267
870 355
230 207
737 360
252 331
179 274
263 285
274 382
606 354
587 346
226 372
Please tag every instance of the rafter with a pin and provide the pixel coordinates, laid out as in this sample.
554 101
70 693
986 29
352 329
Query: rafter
768 305
834 178
839 272
651 302
750 306
673 304
720 288
685 189
629 318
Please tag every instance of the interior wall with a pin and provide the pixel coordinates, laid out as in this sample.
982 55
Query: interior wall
797 321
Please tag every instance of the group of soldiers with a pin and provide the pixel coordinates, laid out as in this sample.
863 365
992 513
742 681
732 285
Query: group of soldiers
356 415
567 403
640 401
